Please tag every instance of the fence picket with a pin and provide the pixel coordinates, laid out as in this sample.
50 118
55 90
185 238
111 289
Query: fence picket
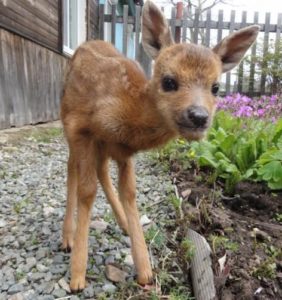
125 30
208 29
101 21
113 24
241 66
137 30
172 23
184 28
253 56
265 48
228 74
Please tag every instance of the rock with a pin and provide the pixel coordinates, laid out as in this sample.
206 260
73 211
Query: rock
129 260
58 259
115 274
41 268
260 235
3 223
18 296
144 220
48 288
16 288
88 292
59 293
58 269
37 276
109 288
110 259
100 226
62 282
30 263
74 298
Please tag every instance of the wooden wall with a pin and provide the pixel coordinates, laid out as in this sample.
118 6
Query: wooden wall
30 81
38 21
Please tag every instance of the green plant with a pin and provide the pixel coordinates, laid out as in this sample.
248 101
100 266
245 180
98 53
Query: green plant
219 242
238 149
155 237
47 135
266 269
187 249
278 217
180 293
18 206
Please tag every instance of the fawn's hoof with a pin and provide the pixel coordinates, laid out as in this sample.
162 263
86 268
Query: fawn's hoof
67 243
77 284
145 277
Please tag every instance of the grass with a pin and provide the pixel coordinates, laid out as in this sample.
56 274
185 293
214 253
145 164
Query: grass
18 206
43 135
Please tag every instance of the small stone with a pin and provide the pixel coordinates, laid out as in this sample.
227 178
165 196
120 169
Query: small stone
98 260
58 269
16 288
115 274
37 276
129 260
109 288
41 268
260 235
62 282
110 259
18 296
88 292
59 293
74 298
58 259
144 220
30 263
100 226
3 223
48 288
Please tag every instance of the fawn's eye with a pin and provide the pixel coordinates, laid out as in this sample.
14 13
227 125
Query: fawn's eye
169 84
215 89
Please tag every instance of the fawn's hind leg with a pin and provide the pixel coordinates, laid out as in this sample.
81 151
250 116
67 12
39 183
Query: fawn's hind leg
86 192
69 221
127 192
106 182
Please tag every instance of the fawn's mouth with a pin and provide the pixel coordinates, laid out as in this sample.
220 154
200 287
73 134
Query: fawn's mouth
191 132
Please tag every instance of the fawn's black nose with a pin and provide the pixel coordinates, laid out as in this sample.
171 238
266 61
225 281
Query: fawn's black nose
197 116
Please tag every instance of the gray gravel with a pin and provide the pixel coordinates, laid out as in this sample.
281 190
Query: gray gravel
32 205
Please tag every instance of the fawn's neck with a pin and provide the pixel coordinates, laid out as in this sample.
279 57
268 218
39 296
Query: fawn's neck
148 128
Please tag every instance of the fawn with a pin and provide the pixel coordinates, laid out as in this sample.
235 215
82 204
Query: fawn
110 110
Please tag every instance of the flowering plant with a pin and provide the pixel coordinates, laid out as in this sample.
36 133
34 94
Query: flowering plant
264 107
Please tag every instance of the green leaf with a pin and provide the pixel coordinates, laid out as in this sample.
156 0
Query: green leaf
271 171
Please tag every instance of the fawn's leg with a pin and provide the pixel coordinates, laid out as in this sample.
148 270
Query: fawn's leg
86 191
127 192
69 222
106 182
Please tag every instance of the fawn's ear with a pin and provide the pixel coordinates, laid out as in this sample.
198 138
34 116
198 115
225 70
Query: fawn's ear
155 31
232 48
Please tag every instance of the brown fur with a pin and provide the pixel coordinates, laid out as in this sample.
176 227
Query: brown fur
110 110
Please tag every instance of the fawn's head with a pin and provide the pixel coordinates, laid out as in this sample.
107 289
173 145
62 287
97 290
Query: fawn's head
185 80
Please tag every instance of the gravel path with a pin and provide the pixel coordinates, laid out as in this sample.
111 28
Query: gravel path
32 204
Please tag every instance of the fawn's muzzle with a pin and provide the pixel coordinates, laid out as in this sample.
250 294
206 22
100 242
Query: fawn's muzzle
195 117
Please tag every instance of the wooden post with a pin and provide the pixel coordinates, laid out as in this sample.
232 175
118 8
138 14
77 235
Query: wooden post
179 14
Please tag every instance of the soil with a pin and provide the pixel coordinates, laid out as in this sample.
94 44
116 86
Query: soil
245 227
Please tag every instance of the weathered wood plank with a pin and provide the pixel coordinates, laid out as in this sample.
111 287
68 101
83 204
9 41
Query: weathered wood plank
35 20
30 81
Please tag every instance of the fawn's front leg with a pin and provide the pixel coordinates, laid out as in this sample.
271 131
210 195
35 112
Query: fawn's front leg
127 192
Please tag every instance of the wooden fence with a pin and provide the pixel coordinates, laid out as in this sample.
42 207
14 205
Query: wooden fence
207 30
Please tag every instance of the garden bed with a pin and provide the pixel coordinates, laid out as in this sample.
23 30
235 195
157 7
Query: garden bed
245 227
